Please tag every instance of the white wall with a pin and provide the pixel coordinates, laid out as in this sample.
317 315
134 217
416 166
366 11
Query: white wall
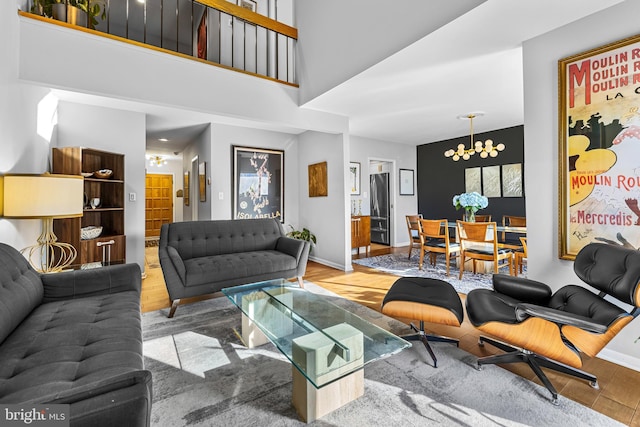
326 217
541 57
120 132
403 156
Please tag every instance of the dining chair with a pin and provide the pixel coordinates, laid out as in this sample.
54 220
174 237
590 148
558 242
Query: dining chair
511 240
479 242
413 227
434 238
520 257
483 218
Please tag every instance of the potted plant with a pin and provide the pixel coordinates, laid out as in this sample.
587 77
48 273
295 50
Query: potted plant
92 9
305 234
471 203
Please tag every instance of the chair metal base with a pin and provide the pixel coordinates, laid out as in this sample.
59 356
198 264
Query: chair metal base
535 361
421 335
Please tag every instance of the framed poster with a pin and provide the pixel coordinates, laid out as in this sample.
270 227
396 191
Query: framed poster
599 147
354 178
258 183
491 181
406 182
318 180
472 180
512 180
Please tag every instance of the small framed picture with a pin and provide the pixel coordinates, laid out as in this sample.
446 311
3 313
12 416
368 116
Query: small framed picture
406 182
247 4
354 177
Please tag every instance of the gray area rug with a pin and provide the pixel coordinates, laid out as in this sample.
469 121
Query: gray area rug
204 376
401 265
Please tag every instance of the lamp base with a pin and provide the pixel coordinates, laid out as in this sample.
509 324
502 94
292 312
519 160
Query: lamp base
49 255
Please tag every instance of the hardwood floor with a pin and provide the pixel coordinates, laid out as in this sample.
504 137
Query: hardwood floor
619 393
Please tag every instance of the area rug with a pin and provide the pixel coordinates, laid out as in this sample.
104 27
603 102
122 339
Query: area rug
401 265
204 376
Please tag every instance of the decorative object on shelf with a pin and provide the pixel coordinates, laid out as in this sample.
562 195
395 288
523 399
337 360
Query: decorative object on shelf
103 173
489 150
354 177
90 232
359 206
49 196
156 160
305 234
86 174
95 202
353 207
471 203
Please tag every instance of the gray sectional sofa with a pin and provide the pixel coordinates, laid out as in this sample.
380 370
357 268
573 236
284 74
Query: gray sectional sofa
73 338
202 257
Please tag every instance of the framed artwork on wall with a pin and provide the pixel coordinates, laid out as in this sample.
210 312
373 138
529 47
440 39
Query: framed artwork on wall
406 182
472 180
354 178
318 180
491 181
258 183
512 180
599 147
247 4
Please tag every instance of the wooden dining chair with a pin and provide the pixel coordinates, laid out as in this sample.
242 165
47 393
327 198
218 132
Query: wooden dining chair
520 257
479 242
483 218
434 238
413 227
511 240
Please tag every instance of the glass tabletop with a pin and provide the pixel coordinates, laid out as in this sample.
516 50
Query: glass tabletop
323 341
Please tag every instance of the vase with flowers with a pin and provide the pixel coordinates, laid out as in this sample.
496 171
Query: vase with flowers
471 203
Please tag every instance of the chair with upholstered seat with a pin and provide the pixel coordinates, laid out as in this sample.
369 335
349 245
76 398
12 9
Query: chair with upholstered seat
520 257
434 234
508 239
479 242
483 218
414 231
549 329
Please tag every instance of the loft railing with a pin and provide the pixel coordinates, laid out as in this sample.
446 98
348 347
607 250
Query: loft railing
214 31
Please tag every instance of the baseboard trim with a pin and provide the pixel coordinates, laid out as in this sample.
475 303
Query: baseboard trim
620 359
330 264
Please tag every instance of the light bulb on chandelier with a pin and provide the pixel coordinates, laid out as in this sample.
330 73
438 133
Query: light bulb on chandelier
156 160
485 150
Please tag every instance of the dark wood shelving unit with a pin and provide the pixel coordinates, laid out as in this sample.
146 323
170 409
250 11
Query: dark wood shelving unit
110 246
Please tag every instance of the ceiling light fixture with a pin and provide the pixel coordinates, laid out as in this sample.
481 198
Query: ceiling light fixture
489 150
163 139
156 160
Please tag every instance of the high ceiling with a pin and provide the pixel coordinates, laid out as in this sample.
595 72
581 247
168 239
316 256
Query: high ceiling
471 64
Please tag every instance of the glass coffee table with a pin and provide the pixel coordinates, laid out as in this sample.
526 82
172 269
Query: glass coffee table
327 345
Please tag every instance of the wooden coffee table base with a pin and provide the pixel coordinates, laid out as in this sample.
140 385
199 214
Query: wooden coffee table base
312 403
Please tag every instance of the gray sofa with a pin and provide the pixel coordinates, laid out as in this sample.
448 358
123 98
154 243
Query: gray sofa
202 257
73 338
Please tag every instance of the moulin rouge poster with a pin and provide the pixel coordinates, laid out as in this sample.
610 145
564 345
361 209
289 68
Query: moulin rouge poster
600 147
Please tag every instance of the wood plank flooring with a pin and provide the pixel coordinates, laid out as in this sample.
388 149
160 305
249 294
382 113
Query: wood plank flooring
619 392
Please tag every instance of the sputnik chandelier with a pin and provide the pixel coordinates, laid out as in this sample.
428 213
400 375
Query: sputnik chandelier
488 150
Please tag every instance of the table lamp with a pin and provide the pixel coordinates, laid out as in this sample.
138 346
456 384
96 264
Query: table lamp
44 197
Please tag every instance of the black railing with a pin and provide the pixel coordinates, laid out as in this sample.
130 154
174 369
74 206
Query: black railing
214 31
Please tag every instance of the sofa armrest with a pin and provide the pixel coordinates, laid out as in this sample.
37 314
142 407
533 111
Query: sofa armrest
124 399
97 281
289 246
172 257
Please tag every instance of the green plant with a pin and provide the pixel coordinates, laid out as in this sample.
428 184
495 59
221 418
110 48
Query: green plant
93 9
305 234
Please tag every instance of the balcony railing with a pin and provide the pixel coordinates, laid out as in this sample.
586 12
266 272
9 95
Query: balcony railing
213 31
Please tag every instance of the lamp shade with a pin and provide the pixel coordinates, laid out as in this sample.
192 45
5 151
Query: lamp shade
41 196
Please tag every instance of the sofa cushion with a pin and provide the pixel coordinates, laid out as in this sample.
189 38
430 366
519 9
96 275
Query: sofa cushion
68 344
195 239
219 268
20 289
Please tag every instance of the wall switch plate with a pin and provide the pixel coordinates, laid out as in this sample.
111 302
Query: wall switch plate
220 195
132 197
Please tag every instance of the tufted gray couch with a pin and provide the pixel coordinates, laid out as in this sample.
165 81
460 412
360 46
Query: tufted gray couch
202 257
73 338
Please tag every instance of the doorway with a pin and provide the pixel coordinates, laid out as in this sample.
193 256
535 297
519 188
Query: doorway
158 203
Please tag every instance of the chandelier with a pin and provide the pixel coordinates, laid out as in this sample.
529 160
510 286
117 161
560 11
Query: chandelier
156 160
488 150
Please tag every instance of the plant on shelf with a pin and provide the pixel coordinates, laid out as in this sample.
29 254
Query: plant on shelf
305 234
93 8
471 203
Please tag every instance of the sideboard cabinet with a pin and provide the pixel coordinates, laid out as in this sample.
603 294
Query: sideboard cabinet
361 232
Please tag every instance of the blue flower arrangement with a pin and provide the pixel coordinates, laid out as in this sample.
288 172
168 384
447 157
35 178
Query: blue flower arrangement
471 202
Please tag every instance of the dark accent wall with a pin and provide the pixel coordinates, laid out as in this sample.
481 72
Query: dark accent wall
440 178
